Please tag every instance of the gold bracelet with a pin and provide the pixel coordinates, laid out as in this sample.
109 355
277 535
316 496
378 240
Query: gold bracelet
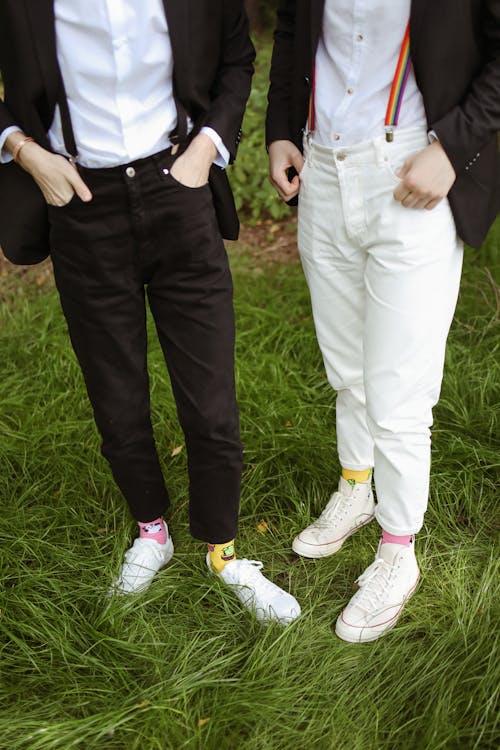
19 146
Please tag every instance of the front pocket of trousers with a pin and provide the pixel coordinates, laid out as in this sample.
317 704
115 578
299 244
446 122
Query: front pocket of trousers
393 169
75 198
168 178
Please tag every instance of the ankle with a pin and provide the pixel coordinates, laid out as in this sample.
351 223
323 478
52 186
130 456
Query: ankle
405 540
221 554
157 530
354 477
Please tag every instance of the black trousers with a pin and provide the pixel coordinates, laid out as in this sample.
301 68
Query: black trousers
144 232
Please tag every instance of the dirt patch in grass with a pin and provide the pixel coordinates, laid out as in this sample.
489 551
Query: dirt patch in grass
16 279
269 242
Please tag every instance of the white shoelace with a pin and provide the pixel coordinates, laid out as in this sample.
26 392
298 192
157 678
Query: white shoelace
140 553
248 573
336 509
374 583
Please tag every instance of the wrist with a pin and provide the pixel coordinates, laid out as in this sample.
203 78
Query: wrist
13 141
204 148
31 156
24 150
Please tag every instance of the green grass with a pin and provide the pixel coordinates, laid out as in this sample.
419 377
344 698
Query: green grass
79 671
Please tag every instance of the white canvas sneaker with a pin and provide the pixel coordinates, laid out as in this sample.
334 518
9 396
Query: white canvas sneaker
257 593
384 588
142 561
348 509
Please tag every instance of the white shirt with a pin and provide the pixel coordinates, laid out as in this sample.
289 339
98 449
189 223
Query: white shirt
116 61
356 59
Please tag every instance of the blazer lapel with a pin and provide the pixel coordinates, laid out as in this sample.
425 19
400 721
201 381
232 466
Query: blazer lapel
416 18
40 15
177 13
317 9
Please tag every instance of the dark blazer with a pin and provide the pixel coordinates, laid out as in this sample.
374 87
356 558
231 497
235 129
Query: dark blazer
213 66
455 47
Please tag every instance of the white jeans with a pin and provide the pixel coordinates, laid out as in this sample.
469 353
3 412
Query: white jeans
384 282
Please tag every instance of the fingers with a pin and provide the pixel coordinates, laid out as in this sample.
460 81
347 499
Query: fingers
413 192
401 192
426 178
286 189
56 177
411 196
282 156
81 189
298 161
432 204
78 185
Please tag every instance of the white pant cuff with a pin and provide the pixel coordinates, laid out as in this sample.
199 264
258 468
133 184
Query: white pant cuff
396 530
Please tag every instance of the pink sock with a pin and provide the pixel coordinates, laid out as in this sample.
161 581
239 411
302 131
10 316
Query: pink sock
393 539
156 530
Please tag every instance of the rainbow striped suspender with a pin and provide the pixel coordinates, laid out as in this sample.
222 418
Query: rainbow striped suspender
395 97
398 87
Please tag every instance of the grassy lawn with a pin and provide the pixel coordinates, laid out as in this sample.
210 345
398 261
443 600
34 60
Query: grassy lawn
181 666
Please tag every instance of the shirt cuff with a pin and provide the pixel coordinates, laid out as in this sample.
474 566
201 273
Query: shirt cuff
222 158
432 135
5 156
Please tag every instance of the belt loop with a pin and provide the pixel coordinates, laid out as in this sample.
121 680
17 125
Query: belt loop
381 146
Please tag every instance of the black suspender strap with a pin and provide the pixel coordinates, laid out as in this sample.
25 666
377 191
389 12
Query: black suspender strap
179 136
67 127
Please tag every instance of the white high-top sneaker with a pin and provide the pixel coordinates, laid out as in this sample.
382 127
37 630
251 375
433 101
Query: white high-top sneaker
384 588
348 509
257 593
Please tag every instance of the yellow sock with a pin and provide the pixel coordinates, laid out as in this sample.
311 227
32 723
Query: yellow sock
356 476
221 554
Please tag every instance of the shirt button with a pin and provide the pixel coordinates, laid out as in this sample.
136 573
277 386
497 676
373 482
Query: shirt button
130 172
336 136
350 91
359 37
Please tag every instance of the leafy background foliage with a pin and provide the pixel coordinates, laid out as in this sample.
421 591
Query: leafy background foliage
249 174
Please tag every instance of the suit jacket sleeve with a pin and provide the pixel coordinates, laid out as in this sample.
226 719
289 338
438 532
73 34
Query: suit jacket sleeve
467 127
231 87
6 119
278 120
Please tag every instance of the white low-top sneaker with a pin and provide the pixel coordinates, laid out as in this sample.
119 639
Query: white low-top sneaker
142 561
384 588
348 509
257 593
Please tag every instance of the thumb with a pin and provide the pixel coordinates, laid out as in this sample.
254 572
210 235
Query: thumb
405 168
297 160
